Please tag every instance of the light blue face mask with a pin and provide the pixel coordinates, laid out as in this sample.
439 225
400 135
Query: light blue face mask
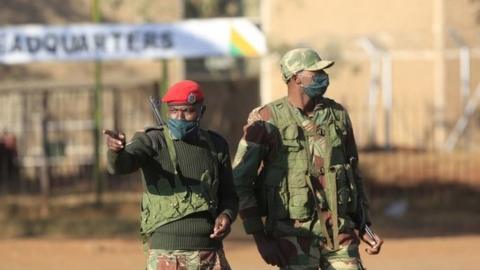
318 86
181 129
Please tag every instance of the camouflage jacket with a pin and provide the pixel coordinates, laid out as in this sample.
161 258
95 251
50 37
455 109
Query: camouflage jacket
279 132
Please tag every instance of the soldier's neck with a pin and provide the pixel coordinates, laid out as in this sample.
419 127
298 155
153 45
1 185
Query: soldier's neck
301 101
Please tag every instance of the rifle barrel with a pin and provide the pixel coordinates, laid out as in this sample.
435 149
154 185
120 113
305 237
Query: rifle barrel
155 108
370 233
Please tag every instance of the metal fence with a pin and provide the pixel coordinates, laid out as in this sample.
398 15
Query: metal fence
47 133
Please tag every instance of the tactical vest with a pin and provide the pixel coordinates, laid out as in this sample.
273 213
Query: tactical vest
286 187
165 202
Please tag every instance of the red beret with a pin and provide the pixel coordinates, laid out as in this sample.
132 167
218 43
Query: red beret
184 92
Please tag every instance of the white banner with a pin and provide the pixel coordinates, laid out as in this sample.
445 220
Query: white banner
187 39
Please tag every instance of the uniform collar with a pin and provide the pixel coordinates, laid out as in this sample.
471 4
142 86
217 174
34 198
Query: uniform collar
320 103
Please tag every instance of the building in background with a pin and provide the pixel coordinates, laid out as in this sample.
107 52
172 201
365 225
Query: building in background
409 50
405 70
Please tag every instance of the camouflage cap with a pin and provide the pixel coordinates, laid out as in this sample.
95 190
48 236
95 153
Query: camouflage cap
300 59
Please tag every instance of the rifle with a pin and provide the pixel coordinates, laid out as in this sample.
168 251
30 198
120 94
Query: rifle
155 104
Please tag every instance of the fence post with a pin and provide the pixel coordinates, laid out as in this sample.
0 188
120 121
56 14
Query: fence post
25 130
3 169
97 116
117 104
44 167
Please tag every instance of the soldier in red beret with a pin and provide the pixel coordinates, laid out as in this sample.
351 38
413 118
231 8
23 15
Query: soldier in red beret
189 200
185 107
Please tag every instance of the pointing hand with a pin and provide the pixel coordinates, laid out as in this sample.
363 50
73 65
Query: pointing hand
115 140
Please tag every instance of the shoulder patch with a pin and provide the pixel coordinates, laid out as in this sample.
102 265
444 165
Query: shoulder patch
261 113
156 137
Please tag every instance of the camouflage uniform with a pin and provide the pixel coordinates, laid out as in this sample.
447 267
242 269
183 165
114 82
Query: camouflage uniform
300 172
186 259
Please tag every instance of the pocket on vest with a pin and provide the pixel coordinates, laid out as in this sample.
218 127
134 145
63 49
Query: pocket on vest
336 135
155 209
200 197
145 213
300 202
290 138
272 197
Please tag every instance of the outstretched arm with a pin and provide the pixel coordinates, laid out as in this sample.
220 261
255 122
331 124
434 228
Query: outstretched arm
122 157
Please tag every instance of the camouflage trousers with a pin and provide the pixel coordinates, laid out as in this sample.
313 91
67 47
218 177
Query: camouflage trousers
311 253
160 259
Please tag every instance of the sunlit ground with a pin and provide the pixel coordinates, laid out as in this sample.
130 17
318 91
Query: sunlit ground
398 254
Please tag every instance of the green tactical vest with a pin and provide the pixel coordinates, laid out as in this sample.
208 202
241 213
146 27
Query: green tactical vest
285 190
164 202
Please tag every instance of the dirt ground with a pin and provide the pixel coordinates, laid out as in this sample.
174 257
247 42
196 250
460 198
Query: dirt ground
55 254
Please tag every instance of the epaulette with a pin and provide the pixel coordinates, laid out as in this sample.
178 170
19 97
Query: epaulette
154 137
216 135
333 104
147 129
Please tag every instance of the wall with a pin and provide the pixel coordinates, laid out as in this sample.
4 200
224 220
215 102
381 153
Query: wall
404 28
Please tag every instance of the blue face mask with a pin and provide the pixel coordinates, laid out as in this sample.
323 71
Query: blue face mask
181 129
318 86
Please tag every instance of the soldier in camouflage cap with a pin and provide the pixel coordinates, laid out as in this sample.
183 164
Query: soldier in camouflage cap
297 60
297 166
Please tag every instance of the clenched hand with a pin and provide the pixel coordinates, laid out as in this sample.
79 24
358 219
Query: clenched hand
221 228
373 245
115 140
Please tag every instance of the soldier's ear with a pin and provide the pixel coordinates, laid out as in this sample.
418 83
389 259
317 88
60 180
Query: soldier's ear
296 79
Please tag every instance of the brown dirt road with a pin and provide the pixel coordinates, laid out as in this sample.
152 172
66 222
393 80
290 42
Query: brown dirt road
105 254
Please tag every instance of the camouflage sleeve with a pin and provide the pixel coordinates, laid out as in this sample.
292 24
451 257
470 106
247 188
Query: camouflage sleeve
132 157
362 216
252 150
